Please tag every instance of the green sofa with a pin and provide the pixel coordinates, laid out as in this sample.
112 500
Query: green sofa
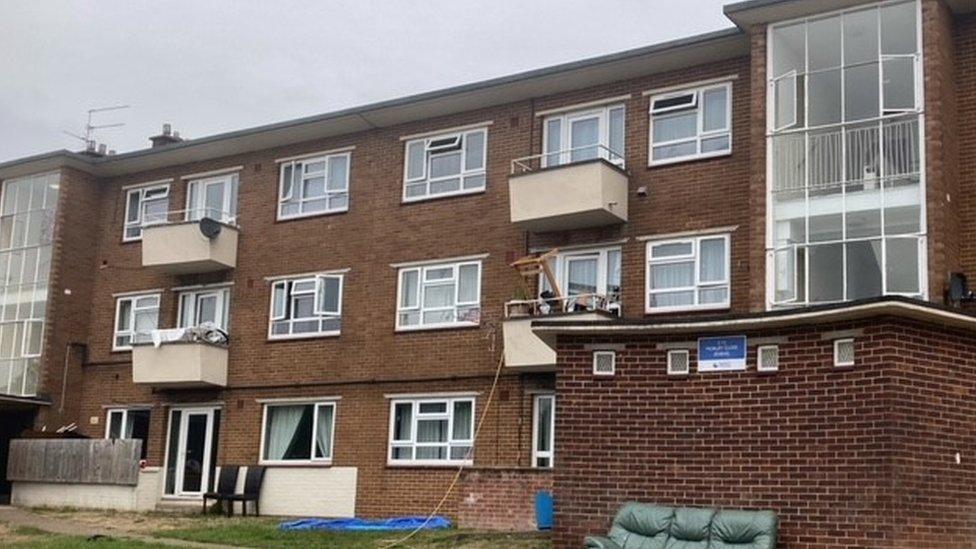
641 526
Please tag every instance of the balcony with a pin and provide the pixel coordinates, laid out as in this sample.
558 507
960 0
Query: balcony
190 247
588 191
527 351
181 358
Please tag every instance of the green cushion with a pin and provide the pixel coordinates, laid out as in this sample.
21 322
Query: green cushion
744 530
690 528
639 526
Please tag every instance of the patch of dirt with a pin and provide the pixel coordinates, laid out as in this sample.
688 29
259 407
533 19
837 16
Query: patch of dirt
138 523
9 536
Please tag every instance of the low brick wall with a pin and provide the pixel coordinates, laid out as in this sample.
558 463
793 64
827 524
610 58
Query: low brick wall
500 499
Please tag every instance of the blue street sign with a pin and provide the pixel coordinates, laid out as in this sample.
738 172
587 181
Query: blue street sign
721 354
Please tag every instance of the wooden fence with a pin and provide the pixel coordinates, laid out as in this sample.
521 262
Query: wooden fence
80 461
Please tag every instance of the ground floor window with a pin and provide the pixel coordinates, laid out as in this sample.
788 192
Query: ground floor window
543 430
128 424
298 432
432 431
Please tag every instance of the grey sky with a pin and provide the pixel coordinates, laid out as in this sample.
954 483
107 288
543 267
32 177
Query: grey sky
209 66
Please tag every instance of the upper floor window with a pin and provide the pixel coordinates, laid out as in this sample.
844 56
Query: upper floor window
313 186
307 306
136 316
690 124
213 197
298 433
439 296
688 273
146 205
204 306
588 278
846 212
584 135
444 165
432 431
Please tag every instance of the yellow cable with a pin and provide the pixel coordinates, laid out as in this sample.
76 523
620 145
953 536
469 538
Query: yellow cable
457 475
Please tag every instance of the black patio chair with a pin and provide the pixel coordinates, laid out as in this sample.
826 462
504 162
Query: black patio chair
252 490
226 486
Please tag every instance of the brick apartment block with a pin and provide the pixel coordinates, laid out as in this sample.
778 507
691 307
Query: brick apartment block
799 181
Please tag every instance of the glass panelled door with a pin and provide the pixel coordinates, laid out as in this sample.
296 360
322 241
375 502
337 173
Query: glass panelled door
191 454
215 198
584 137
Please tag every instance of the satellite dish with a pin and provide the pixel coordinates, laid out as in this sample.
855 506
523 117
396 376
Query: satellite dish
209 227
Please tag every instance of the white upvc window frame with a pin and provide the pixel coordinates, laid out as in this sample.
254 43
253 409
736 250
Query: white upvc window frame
560 268
130 330
312 460
123 435
566 119
416 417
300 164
429 154
318 285
701 134
698 285
196 190
423 283
139 223
222 306
538 454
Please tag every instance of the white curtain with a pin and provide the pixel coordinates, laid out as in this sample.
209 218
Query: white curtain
582 276
672 275
282 427
462 421
712 261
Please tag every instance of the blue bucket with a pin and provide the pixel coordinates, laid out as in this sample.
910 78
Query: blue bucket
543 510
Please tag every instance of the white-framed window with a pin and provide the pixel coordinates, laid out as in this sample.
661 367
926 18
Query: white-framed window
314 186
445 165
136 316
688 273
204 305
543 430
306 307
584 135
844 352
604 363
298 433
144 206
846 183
128 424
587 272
767 358
213 197
691 124
443 295
431 431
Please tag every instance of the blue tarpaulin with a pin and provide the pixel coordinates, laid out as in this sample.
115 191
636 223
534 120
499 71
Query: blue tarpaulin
361 525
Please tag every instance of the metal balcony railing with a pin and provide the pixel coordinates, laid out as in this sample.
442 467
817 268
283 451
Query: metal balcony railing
562 157
555 305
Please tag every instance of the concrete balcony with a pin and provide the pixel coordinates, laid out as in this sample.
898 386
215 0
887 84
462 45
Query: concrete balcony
527 351
585 194
180 364
183 248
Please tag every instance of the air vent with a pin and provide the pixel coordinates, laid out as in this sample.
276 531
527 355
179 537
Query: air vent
678 361
767 358
844 352
604 363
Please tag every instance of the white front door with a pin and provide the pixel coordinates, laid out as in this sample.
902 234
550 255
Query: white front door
191 450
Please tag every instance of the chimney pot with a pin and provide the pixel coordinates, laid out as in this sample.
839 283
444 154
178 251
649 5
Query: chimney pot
102 148
167 129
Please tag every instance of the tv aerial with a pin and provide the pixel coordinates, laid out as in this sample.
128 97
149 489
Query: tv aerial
89 138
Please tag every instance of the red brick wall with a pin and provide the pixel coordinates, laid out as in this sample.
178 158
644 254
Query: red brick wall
861 456
501 499
965 137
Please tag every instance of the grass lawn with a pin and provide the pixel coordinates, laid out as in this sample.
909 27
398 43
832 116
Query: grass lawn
23 537
265 533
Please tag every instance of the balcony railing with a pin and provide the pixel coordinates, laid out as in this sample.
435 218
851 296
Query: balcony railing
859 154
555 159
543 306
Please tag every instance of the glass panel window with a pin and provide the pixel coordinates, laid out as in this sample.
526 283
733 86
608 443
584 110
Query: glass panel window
128 424
432 431
696 123
306 307
213 197
445 165
691 273
848 178
27 213
136 316
314 186
298 432
208 306
439 296
144 206
578 136
543 430
584 276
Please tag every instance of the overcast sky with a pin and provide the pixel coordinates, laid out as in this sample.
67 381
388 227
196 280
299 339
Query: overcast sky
210 66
